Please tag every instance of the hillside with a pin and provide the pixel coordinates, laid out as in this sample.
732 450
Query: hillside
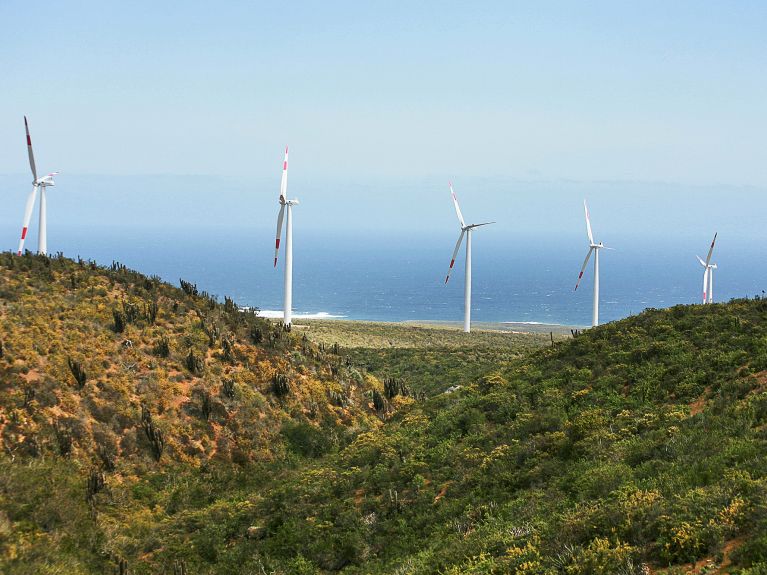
109 379
637 447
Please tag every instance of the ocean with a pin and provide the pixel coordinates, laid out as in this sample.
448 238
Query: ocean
400 277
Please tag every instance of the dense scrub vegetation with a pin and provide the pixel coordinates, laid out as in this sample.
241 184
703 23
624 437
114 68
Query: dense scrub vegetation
114 385
636 447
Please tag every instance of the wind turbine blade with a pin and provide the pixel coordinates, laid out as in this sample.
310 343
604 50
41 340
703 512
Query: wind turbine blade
588 222
585 262
711 250
482 224
455 253
27 216
284 181
705 284
29 151
457 207
280 216
701 261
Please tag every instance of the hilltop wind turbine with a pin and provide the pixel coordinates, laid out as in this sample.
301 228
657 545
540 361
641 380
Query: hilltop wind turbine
42 183
286 203
708 274
593 248
465 230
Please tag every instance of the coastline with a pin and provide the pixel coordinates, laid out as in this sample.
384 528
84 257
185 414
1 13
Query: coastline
384 335
303 321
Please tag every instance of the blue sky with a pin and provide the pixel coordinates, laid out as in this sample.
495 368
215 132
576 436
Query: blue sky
633 102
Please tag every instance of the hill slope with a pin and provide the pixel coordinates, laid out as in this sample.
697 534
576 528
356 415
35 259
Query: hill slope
637 447
108 377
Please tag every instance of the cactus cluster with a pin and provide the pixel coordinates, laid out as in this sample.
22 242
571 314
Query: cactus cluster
77 372
227 344
153 434
211 330
280 384
189 288
94 485
63 438
120 320
229 305
194 363
338 398
162 347
394 387
150 311
228 388
206 405
379 402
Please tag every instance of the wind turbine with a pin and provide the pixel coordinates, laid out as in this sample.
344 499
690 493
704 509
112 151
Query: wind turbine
286 203
42 183
465 230
708 275
593 248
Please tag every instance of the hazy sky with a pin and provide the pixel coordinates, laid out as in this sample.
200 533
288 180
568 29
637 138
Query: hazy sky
628 91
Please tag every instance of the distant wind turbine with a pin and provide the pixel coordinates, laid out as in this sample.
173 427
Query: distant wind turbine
593 248
708 274
286 203
42 183
465 230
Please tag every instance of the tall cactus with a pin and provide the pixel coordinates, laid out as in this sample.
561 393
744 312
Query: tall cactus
77 371
153 434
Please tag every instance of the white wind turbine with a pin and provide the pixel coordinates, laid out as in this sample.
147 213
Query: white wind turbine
593 248
708 274
286 203
465 230
42 183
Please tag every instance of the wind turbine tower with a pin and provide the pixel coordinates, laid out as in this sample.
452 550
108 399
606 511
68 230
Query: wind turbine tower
708 274
286 212
465 231
593 248
41 184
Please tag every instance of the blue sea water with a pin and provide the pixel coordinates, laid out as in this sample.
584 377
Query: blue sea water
400 277
379 250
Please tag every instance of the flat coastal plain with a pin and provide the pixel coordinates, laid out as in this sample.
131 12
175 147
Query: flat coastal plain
430 357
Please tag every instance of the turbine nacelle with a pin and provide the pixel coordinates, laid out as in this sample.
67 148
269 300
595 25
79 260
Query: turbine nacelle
705 265
472 226
45 180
